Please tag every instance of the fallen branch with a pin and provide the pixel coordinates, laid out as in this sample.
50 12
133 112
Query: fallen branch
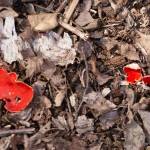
68 14
61 7
4 133
74 30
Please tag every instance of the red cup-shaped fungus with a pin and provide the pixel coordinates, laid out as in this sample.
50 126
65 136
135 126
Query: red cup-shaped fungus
146 80
16 94
133 72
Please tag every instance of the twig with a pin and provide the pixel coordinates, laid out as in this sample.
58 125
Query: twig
74 30
87 84
111 25
16 131
61 7
68 14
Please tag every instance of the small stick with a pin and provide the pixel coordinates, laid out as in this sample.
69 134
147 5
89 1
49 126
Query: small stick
68 14
16 131
61 7
74 30
87 85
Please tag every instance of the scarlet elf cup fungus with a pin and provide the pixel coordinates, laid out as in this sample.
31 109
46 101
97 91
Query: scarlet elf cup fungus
16 94
134 74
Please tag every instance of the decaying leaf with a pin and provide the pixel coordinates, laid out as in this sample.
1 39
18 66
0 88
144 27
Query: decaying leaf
101 78
97 147
84 18
43 22
98 104
21 117
84 124
63 122
108 119
36 138
134 136
48 68
129 52
143 104
73 100
39 87
86 5
7 12
60 97
11 40
58 124
93 25
145 116
33 66
106 91
143 43
6 141
57 49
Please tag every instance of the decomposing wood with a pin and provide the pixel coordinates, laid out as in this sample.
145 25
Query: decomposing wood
74 30
8 132
68 14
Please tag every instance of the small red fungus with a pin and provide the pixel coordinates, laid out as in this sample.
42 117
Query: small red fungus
146 80
133 72
16 94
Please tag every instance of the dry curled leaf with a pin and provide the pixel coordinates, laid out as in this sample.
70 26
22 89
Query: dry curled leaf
43 22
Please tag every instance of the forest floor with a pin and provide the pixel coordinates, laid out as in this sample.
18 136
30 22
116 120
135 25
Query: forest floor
88 63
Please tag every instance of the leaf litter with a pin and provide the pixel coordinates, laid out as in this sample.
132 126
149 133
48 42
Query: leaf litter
78 57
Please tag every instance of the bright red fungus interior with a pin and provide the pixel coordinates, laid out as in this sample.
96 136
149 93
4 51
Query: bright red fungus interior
16 94
146 80
133 75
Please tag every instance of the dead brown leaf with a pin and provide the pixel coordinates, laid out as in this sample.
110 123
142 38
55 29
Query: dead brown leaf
60 96
108 119
58 124
36 138
145 116
129 52
98 104
92 25
84 124
134 136
143 41
101 78
6 141
84 18
33 66
86 5
48 68
43 22
39 88
7 12
63 144
143 104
